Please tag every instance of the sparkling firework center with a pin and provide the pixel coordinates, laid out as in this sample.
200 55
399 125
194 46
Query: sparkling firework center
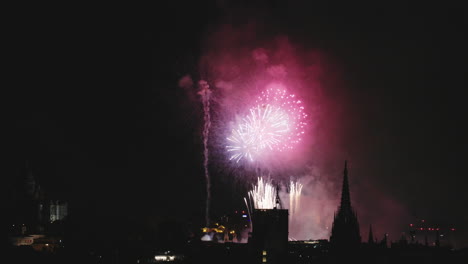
275 124
264 128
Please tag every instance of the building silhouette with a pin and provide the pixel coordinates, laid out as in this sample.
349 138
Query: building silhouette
370 239
37 220
269 242
345 234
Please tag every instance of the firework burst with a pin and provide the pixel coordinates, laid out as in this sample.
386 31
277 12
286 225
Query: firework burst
263 129
275 124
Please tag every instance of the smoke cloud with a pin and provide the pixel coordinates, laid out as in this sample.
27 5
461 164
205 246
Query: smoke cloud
238 60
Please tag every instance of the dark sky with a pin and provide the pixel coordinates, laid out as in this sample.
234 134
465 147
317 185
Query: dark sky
94 105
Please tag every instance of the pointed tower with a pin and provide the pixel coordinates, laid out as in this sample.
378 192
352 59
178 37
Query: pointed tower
345 232
278 204
370 240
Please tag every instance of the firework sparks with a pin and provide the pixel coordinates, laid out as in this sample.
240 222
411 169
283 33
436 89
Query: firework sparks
264 128
295 189
275 124
263 194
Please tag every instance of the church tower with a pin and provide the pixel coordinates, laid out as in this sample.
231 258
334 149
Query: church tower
370 239
345 230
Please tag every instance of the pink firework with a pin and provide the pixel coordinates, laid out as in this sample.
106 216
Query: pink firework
275 124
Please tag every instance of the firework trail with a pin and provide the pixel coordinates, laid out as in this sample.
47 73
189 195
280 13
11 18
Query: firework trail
205 94
295 189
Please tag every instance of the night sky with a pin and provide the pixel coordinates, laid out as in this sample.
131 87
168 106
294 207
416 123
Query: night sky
94 104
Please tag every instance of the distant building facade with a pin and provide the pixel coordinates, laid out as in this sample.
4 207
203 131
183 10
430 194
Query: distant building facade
58 210
269 241
35 214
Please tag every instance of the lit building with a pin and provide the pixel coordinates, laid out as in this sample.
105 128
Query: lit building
34 221
58 210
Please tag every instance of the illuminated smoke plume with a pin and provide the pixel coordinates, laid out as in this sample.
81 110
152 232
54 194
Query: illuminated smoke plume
277 71
260 55
275 113
242 61
205 94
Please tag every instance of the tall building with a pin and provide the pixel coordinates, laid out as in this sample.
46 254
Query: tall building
58 210
345 230
34 208
269 241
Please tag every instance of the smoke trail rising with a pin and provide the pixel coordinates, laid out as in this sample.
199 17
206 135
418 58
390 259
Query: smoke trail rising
205 96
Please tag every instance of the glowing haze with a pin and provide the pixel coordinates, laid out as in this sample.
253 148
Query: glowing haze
281 108
271 116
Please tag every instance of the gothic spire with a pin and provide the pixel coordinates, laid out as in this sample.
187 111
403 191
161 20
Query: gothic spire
278 200
371 236
345 229
345 197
